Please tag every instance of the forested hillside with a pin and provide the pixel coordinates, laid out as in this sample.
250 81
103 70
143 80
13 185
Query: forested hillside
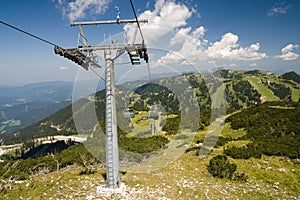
243 89
273 129
256 150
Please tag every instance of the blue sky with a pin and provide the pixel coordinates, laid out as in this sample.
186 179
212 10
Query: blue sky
248 34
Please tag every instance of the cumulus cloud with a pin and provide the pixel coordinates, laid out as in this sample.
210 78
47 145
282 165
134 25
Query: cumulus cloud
278 8
197 53
180 36
169 19
288 48
195 48
223 48
199 32
184 35
79 8
228 48
287 54
166 17
191 45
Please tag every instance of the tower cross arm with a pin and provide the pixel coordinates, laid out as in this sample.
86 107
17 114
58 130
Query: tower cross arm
124 21
127 47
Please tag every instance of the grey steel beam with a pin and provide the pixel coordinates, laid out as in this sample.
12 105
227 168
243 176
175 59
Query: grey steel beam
124 21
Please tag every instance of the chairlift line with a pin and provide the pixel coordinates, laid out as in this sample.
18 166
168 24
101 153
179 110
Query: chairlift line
97 74
137 21
57 49
27 33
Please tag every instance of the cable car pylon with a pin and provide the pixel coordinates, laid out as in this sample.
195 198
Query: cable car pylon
82 56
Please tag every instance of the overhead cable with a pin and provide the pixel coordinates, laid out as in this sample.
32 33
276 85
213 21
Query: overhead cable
97 74
27 33
41 39
137 21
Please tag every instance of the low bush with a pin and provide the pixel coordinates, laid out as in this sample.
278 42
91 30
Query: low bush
220 167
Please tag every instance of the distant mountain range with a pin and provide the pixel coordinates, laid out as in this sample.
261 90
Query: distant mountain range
23 105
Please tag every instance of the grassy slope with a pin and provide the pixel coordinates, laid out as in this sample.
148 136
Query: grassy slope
186 178
295 92
262 89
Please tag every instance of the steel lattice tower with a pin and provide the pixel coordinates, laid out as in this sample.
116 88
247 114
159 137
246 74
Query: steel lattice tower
84 56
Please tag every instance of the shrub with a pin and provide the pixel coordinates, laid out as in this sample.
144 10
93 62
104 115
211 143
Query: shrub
245 152
142 145
220 167
172 125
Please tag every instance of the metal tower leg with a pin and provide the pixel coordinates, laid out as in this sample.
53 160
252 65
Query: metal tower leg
153 127
112 151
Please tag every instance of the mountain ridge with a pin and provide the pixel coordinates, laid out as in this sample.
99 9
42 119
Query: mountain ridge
256 152
243 89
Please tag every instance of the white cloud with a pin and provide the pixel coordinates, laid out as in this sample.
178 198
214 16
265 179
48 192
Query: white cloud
62 68
223 48
79 8
288 48
169 19
253 65
228 48
184 36
180 36
287 54
278 8
191 49
248 53
199 32
194 49
166 17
